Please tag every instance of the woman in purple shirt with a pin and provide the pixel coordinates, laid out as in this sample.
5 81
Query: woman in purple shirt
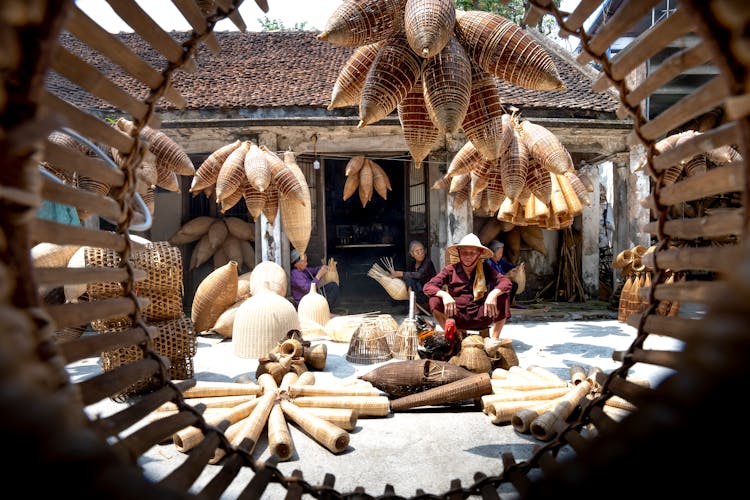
470 291
301 277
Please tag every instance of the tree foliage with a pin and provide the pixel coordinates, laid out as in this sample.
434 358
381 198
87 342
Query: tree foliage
509 9
278 25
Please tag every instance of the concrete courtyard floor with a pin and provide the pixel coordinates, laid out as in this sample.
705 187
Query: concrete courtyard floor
423 448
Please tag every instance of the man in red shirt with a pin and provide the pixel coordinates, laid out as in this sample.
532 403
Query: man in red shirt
470 291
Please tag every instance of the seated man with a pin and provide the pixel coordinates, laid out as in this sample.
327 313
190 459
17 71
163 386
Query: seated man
302 276
470 292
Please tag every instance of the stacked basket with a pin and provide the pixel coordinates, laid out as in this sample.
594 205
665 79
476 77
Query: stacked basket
163 290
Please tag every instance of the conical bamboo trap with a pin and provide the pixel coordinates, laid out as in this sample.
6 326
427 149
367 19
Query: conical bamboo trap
395 287
363 176
243 170
531 182
405 343
407 47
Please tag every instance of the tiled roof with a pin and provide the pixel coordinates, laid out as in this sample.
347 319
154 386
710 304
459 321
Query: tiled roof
288 69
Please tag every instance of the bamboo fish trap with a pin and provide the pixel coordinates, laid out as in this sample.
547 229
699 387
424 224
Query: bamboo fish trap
395 287
406 341
368 344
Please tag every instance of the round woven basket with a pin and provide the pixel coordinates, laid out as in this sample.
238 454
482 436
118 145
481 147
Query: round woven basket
313 306
261 322
270 275
368 344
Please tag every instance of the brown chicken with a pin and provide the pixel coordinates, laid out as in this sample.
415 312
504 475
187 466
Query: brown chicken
433 344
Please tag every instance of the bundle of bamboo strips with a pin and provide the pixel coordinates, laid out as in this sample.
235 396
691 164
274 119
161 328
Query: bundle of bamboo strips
325 412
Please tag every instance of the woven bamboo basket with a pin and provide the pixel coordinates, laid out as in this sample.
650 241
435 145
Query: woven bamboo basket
468 388
261 322
169 155
514 167
368 344
163 286
428 25
232 172
361 22
494 190
343 328
316 356
622 305
485 124
406 341
314 307
365 186
538 181
395 287
296 217
271 206
351 185
332 276
270 275
546 148
394 72
291 184
208 171
446 79
388 326
176 341
380 182
216 293
347 90
254 200
402 378
503 49
420 134
472 356
256 168
580 188
224 324
464 161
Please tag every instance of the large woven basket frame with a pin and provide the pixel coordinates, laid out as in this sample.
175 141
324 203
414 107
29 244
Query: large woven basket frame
595 468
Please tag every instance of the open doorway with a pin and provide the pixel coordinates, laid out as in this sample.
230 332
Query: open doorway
358 236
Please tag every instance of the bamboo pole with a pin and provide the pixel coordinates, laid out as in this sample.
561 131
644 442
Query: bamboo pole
502 412
545 374
327 434
341 417
279 439
189 437
298 390
524 395
211 402
545 425
366 406
204 388
247 430
525 386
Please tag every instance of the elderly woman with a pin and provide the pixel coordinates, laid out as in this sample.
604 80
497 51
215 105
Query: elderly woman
470 292
303 276
420 270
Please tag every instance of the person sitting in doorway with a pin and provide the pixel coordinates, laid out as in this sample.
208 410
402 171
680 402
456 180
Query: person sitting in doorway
419 270
302 276
504 267
470 292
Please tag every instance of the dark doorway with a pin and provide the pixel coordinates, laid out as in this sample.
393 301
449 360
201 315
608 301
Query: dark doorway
359 236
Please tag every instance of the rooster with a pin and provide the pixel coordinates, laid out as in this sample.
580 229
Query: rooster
440 346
